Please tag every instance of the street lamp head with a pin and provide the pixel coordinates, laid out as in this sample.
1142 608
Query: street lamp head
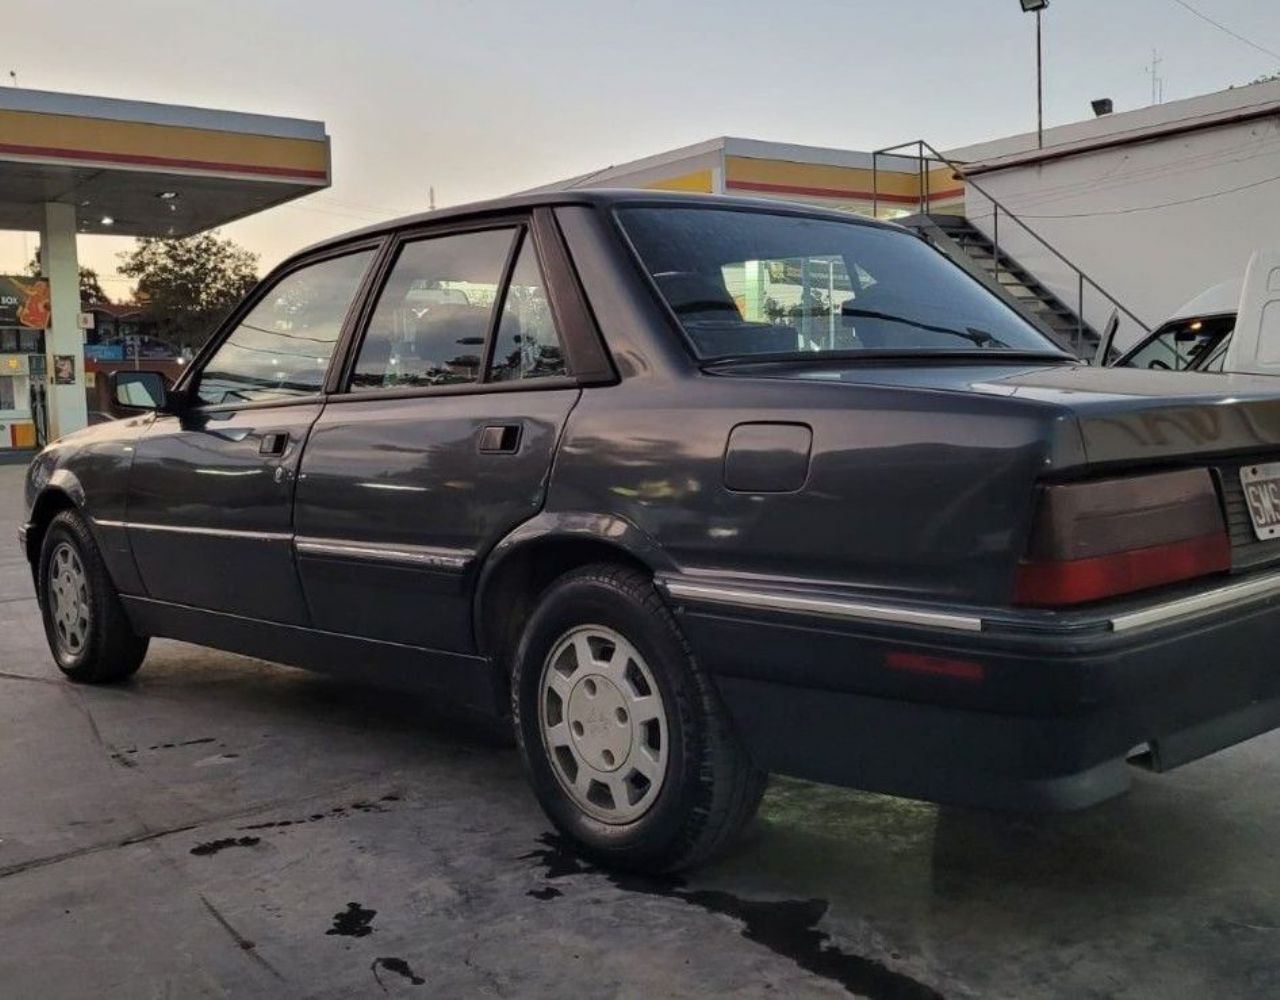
1032 6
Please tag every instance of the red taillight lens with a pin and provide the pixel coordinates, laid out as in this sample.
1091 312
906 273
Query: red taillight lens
934 666
1116 536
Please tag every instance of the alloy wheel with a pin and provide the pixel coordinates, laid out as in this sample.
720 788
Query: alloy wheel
69 604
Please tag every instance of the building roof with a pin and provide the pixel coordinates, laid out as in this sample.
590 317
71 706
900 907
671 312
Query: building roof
725 146
151 169
1259 100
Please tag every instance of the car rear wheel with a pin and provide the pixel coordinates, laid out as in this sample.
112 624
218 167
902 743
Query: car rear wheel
88 632
626 743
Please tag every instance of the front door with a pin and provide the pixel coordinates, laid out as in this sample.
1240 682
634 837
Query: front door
211 490
441 443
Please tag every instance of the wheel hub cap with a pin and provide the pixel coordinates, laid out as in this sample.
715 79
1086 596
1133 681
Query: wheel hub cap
69 599
599 722
603 724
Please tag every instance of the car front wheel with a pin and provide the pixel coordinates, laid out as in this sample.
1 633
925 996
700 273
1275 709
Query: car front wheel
626 743
88 632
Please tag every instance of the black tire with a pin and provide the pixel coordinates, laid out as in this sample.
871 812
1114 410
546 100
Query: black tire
711 787
106 649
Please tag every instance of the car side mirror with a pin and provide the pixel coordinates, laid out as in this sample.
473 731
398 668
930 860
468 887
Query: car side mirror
137 392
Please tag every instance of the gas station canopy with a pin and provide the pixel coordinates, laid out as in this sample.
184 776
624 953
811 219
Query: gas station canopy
72 164
150 169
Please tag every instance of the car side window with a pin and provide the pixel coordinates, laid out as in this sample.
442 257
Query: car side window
1160 351
527 344
283 346
434 312
1182 345
1218 357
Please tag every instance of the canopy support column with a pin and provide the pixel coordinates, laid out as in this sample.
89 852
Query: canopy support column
67 406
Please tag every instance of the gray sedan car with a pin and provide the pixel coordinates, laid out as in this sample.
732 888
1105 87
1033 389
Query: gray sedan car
692 490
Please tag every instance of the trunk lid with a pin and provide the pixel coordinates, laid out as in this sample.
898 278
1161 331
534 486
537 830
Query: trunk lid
1125 415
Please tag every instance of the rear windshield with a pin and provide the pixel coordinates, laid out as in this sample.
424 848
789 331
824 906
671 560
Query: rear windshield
745 282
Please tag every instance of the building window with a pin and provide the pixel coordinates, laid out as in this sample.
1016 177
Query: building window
8 399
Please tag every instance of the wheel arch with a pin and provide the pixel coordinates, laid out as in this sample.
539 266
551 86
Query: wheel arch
528 560
63 492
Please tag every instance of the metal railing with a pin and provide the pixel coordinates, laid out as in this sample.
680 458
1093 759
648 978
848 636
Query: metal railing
933 156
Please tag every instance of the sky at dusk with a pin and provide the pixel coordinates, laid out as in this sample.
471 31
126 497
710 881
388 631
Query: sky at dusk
478 100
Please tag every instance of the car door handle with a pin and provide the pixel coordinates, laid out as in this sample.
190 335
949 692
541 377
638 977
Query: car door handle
273 443
499 439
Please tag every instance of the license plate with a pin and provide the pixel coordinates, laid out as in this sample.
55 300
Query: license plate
1261 485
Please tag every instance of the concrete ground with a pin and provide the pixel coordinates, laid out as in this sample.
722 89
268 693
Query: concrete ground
224 827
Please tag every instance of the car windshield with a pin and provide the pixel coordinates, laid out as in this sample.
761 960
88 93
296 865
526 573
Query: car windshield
748 283
1184 345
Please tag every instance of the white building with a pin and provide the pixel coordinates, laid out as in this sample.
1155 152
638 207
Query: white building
1152 205
1156 204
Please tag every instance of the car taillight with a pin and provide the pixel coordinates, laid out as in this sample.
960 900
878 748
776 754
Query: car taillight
1116 536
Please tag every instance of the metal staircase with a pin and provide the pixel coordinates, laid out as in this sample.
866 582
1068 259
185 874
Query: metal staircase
983 257
973 250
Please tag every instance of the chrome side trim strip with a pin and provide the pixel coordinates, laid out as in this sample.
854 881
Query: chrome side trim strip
411 555
1210 600
831 607
176 529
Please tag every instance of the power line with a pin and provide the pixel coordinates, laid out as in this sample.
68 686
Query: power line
1222 27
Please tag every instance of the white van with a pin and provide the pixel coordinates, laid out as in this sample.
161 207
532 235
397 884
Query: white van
1231 327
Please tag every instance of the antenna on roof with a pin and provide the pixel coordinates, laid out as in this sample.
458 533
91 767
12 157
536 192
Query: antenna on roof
13 77
1157 81
431 199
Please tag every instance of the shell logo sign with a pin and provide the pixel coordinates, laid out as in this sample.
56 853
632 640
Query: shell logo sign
24 302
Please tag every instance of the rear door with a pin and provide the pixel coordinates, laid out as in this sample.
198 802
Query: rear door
211 490
439 440
1255 345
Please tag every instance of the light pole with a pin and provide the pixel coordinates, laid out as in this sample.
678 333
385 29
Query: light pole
1037 7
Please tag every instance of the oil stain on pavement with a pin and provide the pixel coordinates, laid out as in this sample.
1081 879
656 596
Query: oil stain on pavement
354 921
214 846
786 927
338 812
397 965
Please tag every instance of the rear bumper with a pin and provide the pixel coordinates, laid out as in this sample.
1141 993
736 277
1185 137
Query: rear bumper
1044 716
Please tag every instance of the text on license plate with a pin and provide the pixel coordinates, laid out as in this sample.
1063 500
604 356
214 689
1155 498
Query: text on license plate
1261 485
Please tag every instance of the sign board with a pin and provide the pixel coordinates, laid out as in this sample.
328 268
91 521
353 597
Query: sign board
86 320
24 302
64 369
104 352
820 273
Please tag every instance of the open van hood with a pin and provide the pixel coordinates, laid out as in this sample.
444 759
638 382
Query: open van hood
1255 345
1222 299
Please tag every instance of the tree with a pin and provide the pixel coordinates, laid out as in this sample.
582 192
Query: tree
186 286
91 293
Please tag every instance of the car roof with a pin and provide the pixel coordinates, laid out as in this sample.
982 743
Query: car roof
599 197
